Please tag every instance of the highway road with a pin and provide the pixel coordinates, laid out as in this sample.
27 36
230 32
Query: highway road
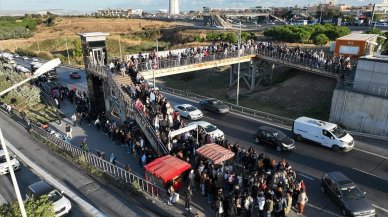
366 165
26 177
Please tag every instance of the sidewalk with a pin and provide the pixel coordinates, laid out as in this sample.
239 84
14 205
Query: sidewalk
100 141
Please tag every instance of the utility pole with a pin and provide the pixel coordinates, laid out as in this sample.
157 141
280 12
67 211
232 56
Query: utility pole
121 54
13 177
37 41
238 65
67 49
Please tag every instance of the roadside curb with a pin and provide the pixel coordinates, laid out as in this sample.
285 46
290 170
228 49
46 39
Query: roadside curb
79 201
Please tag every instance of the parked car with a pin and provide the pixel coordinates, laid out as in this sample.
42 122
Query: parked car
74 75
214 105
324 133
351 199
62 205
3 163
274 137
188 111
25 57
208 128
34 59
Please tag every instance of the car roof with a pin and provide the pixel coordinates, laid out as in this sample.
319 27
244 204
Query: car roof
316 123
268 129
201 123
40 188
340 178
184 105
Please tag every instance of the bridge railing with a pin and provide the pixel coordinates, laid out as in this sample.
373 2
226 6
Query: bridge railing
176 61
371 89
296 61
291 60
145 125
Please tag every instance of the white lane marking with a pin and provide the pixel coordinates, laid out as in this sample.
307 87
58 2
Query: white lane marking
306 176
322 210
271 124
380 208
368 173
371 153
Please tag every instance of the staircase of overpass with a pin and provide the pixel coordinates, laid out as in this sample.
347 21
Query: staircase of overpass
177 66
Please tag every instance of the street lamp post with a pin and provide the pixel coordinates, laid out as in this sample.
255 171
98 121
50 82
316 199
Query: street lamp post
13 177
238 65
67 50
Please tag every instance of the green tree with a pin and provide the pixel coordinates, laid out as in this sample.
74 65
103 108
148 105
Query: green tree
77 48
35 207
320 39
232 37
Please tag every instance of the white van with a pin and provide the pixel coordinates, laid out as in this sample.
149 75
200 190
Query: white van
324 133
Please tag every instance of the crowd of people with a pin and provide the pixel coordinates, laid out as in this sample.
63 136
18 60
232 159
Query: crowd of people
341 65
253 184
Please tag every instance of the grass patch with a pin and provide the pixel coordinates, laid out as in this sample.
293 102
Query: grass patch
42 113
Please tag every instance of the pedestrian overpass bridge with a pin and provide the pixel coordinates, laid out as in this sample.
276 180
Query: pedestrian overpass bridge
108 94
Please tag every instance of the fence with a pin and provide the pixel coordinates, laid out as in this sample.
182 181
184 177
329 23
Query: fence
126 178
371 89
235 108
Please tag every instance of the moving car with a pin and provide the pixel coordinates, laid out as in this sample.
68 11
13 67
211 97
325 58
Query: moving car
214 105
351 199
3 163
324 133
74 75
208 128
274 137
62 205
188 111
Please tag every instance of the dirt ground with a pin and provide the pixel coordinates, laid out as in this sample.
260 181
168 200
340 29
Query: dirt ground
69 26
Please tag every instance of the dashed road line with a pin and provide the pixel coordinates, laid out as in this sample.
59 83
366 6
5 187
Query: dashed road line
371 153
306 176
380 208
368 173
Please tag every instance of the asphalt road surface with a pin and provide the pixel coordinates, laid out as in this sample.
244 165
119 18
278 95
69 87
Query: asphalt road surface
26 177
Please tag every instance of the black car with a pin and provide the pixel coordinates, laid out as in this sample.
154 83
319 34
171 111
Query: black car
74 75
351 199
274 137
214 105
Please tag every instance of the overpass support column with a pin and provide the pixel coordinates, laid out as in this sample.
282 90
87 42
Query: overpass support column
253 74
231 76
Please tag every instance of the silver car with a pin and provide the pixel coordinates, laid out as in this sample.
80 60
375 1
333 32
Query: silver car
3 163
188 111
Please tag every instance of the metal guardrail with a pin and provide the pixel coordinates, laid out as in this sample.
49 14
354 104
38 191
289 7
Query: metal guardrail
235 108
371 89
125 177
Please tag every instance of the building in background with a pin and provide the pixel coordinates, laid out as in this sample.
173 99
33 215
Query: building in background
119 12
174 7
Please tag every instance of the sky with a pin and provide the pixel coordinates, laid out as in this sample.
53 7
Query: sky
153 5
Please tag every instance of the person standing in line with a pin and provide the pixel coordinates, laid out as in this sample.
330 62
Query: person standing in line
69 131
188 195
302 200
74 119
260 204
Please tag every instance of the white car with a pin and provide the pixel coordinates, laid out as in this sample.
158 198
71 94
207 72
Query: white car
3 163
62 205
209 128
25 57
188 111
35 59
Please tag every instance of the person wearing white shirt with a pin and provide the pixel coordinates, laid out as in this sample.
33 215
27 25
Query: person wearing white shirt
260 204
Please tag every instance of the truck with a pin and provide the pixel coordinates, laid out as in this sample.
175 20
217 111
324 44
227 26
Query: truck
324 133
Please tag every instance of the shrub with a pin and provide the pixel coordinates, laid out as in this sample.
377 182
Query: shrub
320 39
